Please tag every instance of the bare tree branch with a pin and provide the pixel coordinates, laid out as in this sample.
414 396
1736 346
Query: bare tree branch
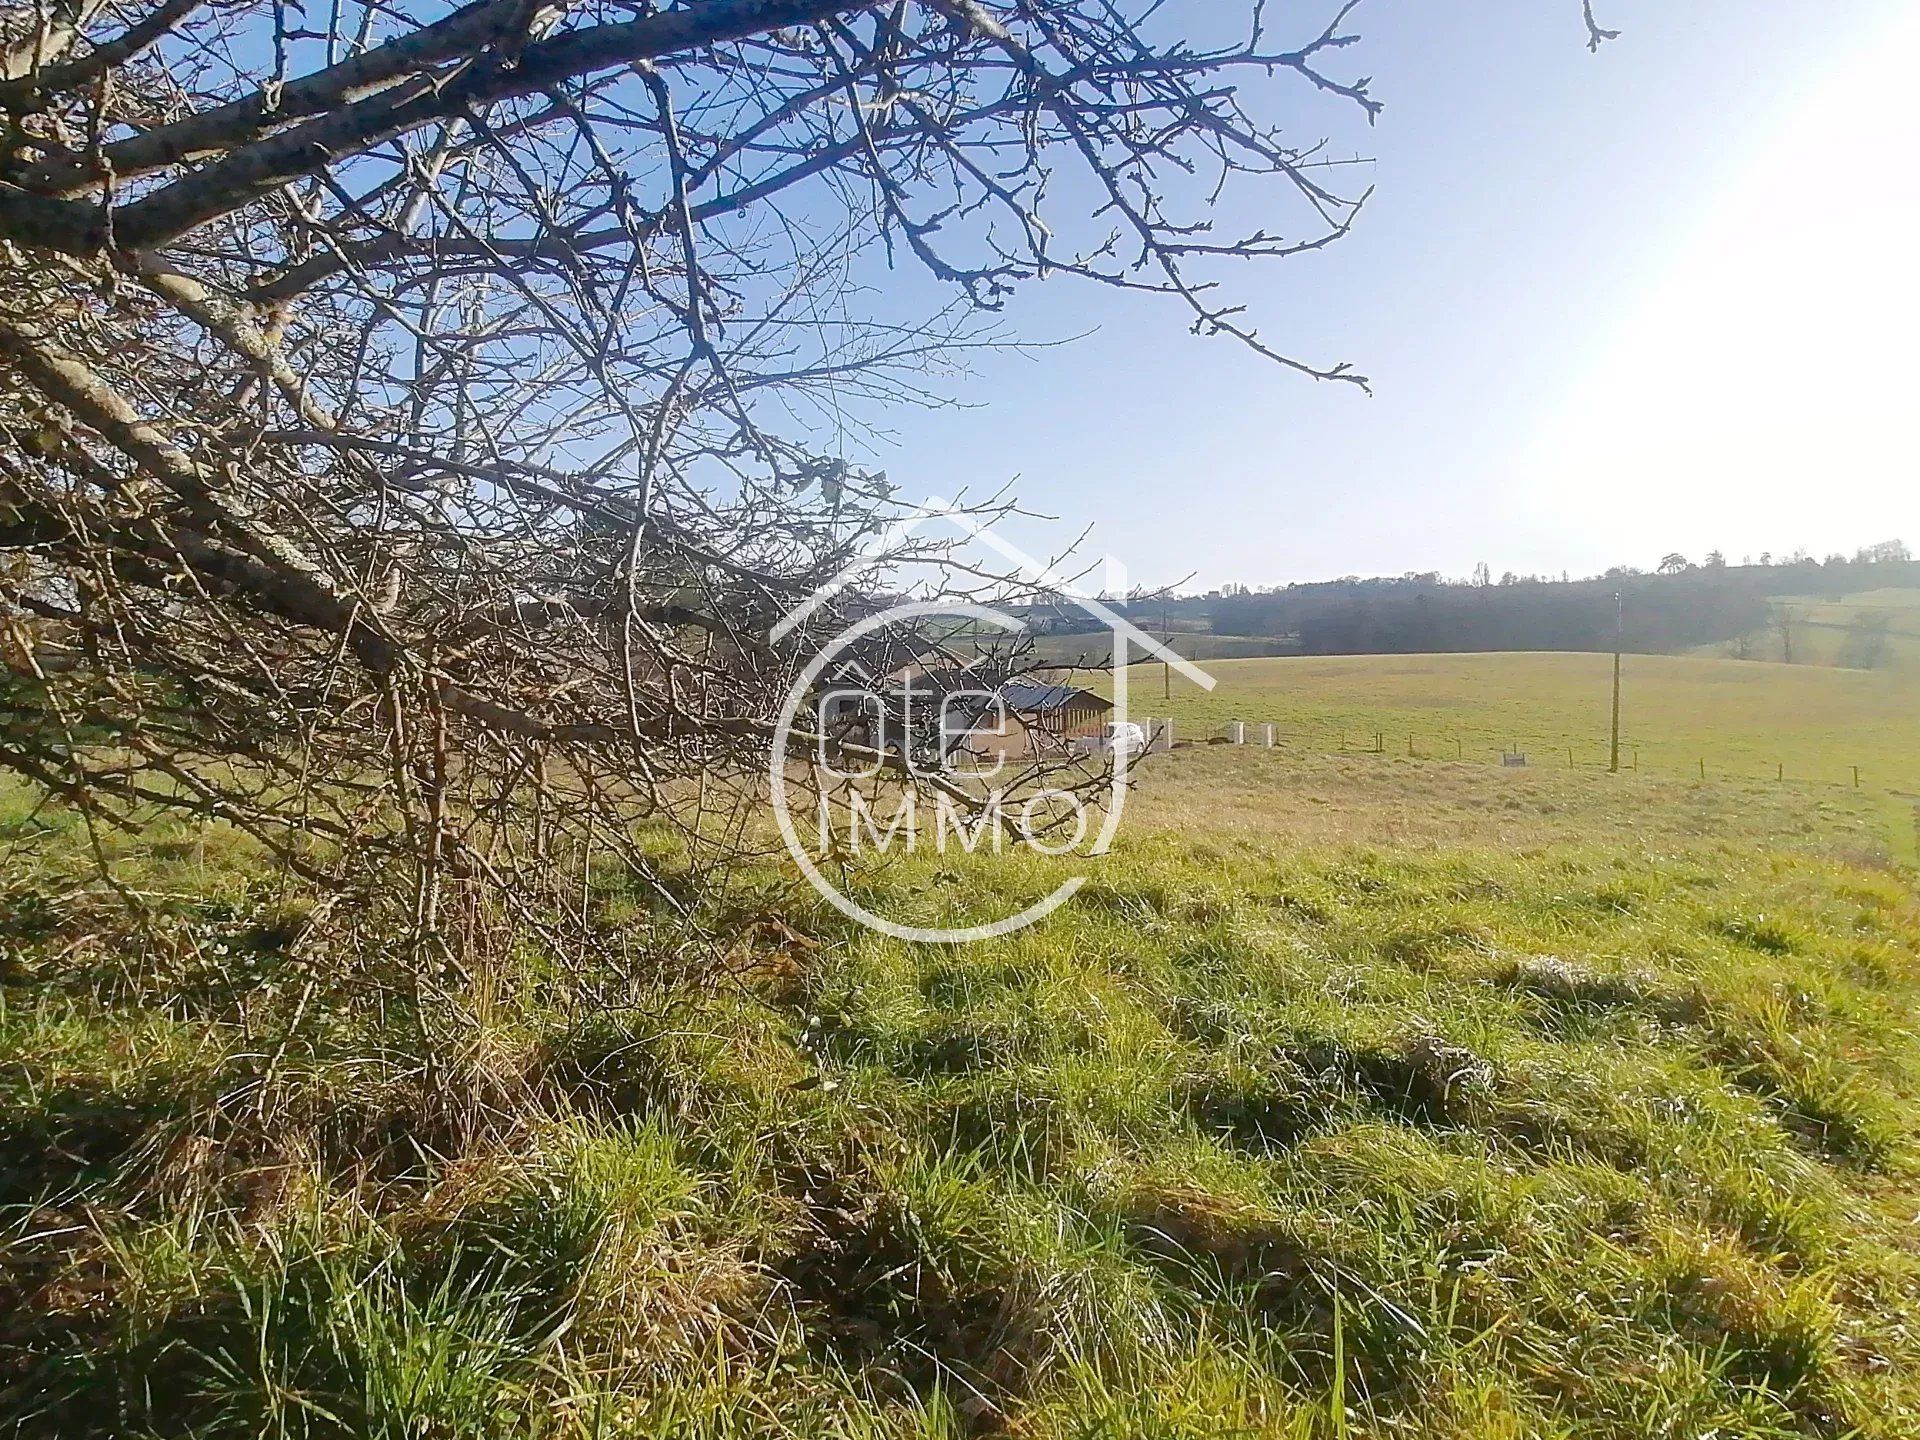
411 432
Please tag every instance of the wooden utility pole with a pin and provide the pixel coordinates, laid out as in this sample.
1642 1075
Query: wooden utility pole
1619 631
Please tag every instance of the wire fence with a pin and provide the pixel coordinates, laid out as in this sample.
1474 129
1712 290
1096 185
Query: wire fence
1663 759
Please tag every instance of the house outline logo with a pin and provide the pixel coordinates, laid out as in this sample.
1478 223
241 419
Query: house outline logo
1036 572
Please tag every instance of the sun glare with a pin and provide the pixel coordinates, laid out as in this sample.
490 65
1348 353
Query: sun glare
1769 374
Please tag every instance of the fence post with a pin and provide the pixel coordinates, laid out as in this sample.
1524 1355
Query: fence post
1780 771
1856 777
1703 767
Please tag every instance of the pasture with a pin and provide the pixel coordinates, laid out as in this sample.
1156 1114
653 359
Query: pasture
1745 718
1826 631
1355 1095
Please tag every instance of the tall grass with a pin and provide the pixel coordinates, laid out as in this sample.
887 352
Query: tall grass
1314 1136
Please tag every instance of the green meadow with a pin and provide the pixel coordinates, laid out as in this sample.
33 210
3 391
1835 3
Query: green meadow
1746 719
1353 1095
445 563
1827 631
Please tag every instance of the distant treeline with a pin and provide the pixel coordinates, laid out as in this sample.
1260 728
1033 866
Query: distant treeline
1660 612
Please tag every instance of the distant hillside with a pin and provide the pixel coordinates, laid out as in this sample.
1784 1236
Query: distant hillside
1872 630
1859 613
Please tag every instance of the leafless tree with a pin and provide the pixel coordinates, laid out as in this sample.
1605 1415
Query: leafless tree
410 427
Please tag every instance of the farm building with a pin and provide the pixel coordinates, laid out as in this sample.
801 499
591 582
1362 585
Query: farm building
1032 718
1001 719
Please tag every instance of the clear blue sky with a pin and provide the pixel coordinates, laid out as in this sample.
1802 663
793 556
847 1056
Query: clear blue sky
1612 305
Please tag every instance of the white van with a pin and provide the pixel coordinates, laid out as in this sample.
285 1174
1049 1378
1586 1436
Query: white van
1118 738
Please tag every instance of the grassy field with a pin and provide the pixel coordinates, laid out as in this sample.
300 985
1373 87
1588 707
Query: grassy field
1354 1096
1827 631
1329 801
1744 718
1824 642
